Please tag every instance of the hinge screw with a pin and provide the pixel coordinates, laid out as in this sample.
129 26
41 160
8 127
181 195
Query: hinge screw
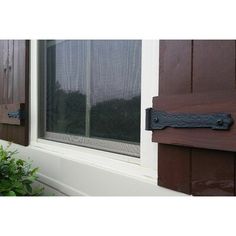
156 119
220 122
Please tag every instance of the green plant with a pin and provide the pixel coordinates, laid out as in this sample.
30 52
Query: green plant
16 175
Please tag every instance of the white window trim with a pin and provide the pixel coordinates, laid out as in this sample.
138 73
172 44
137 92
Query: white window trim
144 167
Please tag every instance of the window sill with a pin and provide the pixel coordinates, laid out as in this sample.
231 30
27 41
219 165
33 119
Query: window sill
120 164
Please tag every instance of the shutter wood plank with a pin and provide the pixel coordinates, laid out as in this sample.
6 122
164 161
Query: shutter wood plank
10 72
174 78
198 104
212 173
209 68
8 108
17 91
213 70
3 71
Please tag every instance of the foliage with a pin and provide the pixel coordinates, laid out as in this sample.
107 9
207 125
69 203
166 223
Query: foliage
16 175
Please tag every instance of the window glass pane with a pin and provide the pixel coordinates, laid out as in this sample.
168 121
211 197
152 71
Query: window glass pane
115 89
92 90
66 86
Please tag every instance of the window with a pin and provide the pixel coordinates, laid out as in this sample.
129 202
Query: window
90 92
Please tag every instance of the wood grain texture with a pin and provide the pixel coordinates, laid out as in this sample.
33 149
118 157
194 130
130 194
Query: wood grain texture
174 78
212 173
198 104
214 70
203 71
1 70
7 108
3 76
10 76
175 67
213 65
15 87
5 71
174 167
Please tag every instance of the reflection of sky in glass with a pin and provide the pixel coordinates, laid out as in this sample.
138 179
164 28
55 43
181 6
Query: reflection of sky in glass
107 68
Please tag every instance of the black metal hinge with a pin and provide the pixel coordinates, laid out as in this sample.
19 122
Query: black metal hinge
157 120
16 114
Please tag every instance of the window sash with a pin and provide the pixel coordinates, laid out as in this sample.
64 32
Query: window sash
119 146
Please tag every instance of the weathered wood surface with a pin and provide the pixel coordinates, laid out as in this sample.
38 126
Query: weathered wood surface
191 68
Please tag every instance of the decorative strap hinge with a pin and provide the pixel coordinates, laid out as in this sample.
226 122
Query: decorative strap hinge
16 114
157 120
12 114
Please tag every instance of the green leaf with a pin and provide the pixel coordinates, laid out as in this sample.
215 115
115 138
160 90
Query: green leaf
20 192
29 179
38 191
16 175
34 171
29 188
20 162
10 194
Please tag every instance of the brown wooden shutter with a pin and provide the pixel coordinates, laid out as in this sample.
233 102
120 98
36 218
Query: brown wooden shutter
197 77
14 90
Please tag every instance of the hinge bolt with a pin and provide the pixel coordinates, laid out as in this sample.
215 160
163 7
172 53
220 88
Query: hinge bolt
220 122
156 119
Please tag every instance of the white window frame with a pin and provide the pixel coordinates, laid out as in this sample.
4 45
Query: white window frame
145 166
114 146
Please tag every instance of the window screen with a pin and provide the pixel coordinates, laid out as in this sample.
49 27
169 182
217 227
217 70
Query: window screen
90 93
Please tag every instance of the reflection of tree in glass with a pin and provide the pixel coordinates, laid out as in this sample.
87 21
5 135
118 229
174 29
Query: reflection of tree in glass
66 111
114 119
117 119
